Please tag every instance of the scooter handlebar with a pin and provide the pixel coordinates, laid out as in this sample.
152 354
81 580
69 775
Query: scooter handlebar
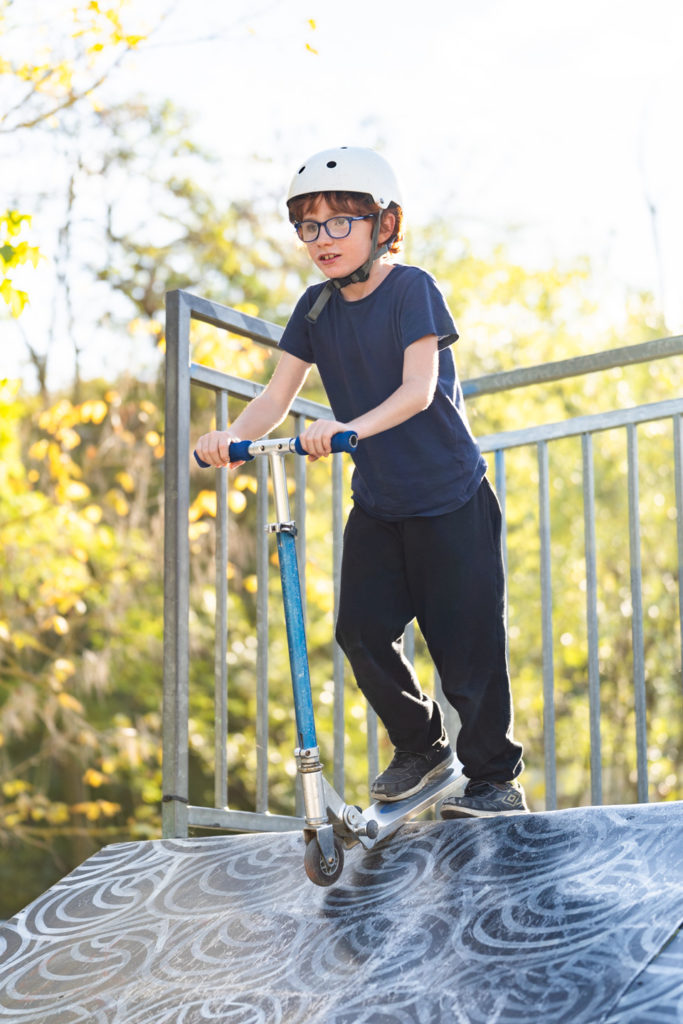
344 441
244 451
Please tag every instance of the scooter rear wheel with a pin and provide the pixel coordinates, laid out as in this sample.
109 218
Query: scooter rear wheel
318 869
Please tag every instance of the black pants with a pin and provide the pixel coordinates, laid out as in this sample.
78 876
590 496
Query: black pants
447 572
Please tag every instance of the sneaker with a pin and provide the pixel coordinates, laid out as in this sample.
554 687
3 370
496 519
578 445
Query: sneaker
483 799
409 772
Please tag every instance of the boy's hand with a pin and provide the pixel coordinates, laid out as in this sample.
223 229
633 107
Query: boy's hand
317 438
214 448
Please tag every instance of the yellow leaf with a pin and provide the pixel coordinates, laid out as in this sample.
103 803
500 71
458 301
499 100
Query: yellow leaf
93 411
68 437
38 449
108 808
94 778
90 808
93 513
118 503
125 480
59 624
196 530
14 787
152 438
237 502
251 584
64 669
75 491
70 703
57 814
311 49
243 482
203 505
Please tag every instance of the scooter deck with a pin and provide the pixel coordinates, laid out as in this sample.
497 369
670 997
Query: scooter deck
390 816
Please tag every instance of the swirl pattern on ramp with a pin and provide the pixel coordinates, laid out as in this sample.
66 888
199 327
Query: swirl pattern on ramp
544 917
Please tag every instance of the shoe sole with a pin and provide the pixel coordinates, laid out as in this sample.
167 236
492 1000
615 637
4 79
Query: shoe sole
440 769
462 812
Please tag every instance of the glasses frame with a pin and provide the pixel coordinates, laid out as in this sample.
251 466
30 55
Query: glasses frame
323 224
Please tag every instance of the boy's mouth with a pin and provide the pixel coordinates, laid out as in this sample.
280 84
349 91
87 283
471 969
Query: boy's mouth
327 257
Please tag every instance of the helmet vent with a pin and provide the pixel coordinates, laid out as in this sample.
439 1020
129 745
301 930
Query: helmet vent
301 169
331 163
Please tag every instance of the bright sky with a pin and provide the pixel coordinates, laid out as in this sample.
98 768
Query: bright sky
559 120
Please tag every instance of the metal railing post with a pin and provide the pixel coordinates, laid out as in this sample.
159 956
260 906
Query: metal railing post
221 620
637 614
176 569
547 630
592 617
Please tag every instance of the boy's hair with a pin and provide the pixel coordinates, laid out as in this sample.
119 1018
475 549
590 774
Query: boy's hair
354 203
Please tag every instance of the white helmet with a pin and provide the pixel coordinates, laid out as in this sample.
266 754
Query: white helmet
347 169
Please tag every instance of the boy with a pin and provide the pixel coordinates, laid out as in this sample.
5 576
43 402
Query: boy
423 537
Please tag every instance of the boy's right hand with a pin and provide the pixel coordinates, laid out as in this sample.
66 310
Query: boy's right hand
214 448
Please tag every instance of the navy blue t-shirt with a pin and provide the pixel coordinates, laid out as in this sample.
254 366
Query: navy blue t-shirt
428 465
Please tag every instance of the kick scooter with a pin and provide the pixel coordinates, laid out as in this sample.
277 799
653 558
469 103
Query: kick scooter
331 825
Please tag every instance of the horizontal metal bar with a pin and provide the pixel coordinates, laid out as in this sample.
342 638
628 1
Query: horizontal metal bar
525 376
215 380
230 319
242 821
581 425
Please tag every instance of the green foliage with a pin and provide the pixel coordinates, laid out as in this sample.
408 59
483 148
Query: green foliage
47 73
80 609
14 251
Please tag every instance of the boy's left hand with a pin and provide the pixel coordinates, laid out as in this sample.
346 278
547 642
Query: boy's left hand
317 438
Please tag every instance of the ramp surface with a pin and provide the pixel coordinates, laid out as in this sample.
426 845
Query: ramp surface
539 918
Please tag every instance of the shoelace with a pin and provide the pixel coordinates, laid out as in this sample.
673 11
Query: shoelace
473 788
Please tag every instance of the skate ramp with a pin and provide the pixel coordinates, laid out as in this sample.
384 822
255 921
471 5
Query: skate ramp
563 916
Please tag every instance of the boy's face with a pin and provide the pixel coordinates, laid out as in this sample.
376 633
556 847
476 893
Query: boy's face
338 257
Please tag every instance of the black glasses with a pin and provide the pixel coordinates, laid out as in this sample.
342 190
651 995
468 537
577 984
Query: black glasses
336 227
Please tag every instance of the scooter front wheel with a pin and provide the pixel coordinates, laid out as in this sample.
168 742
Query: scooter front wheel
319 870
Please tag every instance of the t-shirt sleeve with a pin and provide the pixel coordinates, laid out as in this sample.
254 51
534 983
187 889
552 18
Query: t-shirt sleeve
424 311
296 338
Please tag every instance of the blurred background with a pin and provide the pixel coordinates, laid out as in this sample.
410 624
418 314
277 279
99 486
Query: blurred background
147 145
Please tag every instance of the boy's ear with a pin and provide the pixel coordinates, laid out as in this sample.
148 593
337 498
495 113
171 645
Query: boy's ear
388 225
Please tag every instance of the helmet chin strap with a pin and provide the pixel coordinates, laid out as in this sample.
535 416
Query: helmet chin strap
362 273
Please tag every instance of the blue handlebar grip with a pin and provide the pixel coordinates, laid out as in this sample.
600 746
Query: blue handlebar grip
238 452
344 441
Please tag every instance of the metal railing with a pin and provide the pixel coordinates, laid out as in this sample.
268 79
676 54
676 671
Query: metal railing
585 428
182 308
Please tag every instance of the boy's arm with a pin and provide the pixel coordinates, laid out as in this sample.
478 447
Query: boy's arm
415 393
261 415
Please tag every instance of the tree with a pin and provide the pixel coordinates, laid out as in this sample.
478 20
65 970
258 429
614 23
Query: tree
52 70
80 608
50 66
